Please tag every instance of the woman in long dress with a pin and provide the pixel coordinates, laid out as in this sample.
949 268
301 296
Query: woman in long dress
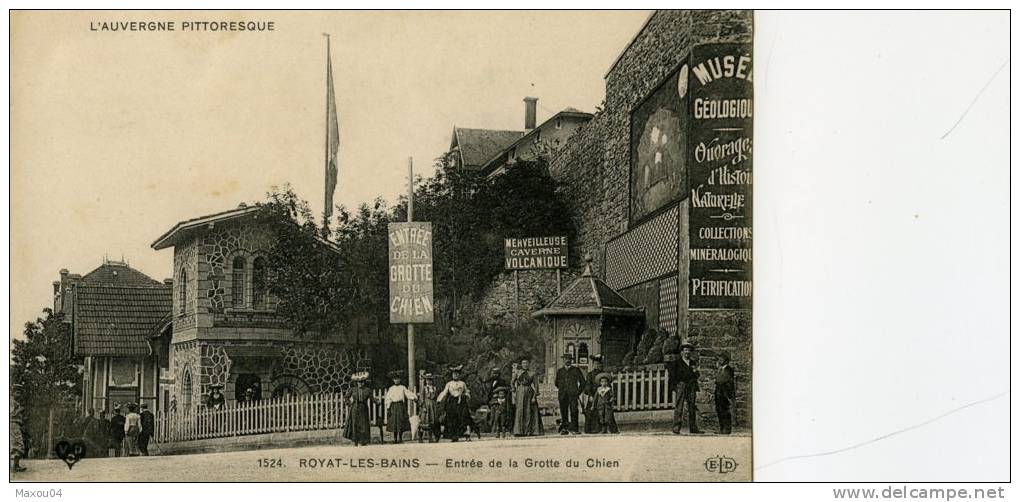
454 399
428 410
397 419
527 421
358 427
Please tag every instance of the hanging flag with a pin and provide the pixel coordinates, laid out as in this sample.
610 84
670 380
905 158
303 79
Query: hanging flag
332 137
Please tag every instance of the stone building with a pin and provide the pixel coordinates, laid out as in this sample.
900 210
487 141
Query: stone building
490 151
542 140
655 179
225 330
112 311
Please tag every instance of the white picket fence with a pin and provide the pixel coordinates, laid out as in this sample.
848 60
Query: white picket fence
643 390
284 414
635 390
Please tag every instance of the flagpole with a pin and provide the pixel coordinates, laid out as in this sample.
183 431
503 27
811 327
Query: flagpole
411 376
326 210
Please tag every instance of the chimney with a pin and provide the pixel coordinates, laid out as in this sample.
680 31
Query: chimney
529 113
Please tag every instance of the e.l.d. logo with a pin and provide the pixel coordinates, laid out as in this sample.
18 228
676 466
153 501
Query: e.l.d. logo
720 464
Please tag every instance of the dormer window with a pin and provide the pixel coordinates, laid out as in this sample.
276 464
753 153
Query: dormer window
559 123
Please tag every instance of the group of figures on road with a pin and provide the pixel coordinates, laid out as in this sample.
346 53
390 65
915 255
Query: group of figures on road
125 434
446 412
513 406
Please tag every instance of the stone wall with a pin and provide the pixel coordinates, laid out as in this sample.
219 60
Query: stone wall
713 331
594 165
320 367
537 288
594 169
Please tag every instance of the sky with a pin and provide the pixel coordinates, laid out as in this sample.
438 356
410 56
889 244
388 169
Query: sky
117 136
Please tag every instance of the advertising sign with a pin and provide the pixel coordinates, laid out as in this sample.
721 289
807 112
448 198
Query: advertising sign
533 253
410 250
719 166
658 151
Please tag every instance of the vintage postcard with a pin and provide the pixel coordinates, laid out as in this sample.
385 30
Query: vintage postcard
381 245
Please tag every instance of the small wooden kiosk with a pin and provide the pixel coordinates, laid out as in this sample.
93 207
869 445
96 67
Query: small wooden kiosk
588 318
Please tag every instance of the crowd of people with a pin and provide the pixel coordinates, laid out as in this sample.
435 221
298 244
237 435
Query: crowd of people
512 406
446 412
127 433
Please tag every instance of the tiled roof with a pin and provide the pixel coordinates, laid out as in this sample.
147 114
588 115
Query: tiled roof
479 145
169 238
187 227
112 319
114 272
588 295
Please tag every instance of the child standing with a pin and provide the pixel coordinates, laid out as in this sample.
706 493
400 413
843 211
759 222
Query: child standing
397 396
499 408
605 401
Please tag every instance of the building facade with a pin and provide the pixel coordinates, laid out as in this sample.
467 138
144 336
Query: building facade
112 311
660 185
539 141
225 330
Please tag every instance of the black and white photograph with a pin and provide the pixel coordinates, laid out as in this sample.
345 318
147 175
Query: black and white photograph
440 246
306 236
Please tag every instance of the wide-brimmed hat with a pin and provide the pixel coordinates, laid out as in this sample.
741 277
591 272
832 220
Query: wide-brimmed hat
459 367
596 357
499 389
600 376
396 374
360 376
428 376
494 369
143 406
567 357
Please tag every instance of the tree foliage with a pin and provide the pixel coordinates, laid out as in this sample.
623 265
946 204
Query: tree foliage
49 375
323 288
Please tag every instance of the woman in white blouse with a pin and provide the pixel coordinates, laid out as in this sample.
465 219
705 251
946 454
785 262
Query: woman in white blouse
454 399
397 396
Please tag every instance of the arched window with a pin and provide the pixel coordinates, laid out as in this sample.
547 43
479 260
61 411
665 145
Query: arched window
258 283
237 282
183 292
186 389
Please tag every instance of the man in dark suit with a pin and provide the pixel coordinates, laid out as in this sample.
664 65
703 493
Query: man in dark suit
569 384
685 378
148 429
591 422
117 431
492 383
725 393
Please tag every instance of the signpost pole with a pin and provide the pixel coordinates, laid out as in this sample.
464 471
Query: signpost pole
559 287
411 380
517 299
